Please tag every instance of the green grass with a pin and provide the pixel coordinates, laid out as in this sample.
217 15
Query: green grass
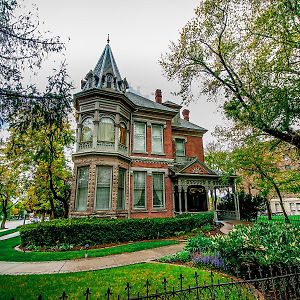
5 232
74 284
294 219
8 253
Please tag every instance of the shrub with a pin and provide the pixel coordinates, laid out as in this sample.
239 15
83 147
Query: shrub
94 231
183 256
199 243
260 244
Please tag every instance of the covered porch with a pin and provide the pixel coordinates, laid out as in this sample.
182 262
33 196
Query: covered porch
202 192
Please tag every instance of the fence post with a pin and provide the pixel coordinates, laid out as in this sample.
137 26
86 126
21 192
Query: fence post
87 294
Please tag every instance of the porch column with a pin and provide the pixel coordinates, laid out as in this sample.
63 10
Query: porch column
185 198
236 201
180 198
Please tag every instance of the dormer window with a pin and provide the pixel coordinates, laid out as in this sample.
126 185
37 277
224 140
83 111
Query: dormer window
87 129
109 80
106 131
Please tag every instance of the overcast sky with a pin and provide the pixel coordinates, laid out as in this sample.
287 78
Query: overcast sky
140 31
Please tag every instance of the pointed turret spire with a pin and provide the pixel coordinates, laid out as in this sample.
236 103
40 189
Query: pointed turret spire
106 73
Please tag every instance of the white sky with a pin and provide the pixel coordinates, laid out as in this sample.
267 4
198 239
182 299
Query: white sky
140 31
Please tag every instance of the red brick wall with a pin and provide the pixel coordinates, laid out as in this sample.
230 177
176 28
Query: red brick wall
194 147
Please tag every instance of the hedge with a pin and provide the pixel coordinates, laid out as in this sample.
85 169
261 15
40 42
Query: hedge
95 231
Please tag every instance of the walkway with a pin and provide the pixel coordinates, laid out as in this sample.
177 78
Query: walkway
9 236
87 264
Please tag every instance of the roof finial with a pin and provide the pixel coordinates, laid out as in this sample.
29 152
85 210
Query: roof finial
108 40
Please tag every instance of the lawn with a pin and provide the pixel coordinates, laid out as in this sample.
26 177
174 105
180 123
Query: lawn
294 219
5 232
74 284
8 253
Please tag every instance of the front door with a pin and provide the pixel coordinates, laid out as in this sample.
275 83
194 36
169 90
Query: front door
197 199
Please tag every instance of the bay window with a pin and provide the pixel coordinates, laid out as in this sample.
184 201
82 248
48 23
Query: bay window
87 128
123 134
106 131
82 188
103 187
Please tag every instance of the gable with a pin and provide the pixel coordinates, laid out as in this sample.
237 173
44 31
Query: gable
195 168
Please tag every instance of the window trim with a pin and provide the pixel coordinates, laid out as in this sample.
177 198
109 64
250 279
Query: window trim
110 189
145 206
162 139
164 192
145 138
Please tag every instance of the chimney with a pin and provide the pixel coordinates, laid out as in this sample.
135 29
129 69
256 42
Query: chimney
186 114
158 96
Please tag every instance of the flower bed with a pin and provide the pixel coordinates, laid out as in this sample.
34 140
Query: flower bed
103 231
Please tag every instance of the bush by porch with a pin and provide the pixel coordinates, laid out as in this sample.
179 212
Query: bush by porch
102 231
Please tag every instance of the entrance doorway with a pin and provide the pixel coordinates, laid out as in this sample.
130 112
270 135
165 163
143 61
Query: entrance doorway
196 198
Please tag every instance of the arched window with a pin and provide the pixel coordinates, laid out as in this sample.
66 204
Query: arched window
87 129
123 134
109 79
106 132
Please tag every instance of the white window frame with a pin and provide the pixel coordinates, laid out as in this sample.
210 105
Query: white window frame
164 191
145 205
162 139
145 138
110 188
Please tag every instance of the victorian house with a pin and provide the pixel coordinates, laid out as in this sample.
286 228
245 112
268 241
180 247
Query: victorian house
136 157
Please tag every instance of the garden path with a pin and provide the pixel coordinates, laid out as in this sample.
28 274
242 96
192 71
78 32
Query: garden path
87 264
9 236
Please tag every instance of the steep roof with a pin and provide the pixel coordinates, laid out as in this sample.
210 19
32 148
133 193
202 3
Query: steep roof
184 124
147 103
105 74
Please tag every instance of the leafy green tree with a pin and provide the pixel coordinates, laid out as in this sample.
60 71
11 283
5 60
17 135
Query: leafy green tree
23 48
247 51
9 185
42 152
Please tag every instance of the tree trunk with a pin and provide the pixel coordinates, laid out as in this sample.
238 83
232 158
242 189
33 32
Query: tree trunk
5 213
286 218
269 212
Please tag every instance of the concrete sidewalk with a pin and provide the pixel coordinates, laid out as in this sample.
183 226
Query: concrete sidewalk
87 264
9 236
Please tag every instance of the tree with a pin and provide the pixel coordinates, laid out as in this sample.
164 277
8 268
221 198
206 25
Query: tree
23 48
43 153
261 163
9 185
249 52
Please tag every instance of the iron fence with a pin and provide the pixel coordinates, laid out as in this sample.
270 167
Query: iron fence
279 283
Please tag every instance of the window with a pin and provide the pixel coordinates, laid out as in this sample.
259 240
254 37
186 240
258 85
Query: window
139 193
87 129
298 206
180 147
123 134
158 190
157 139
103 188
106 132
139 142
121 189
82 188
109 80
277 207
